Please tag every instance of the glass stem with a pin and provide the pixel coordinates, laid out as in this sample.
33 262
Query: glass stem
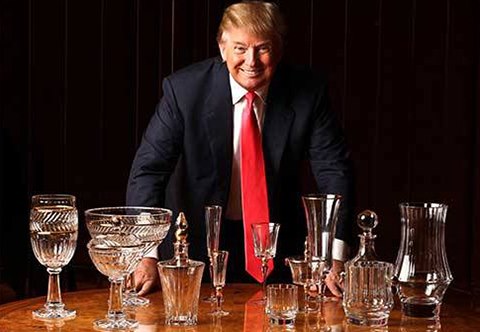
306 286
115 304
211 276
130 285
54 296
218 296
264 275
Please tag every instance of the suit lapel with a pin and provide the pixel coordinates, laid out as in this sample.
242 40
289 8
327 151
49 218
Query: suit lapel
278 119
218 121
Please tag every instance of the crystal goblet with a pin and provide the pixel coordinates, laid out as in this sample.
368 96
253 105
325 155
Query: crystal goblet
219 272
265 237
115 256
213 217
149 224
53 235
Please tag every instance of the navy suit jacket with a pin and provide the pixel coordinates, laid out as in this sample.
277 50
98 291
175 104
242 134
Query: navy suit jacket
188 147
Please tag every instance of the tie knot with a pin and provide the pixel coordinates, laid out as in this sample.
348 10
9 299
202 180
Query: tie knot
250 96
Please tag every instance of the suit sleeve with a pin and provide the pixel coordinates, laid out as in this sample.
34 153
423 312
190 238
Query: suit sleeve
330 163
158 153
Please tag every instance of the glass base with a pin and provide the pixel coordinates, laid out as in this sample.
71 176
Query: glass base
219 313
135 301
368 321
421 310
181 321
58 313
210 299
287 322
119 324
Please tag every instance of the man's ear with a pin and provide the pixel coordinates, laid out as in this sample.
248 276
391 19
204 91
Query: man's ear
221 48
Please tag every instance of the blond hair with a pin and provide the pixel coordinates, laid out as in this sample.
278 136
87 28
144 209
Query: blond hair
258 17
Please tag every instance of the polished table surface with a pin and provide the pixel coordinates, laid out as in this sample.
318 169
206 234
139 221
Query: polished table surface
16 316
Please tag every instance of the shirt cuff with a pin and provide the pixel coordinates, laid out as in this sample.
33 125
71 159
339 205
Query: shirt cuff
152 253
340 250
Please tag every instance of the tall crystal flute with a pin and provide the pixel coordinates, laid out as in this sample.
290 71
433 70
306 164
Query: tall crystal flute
265 237
149 224
213 217
321 211
53 234
219 263
115 256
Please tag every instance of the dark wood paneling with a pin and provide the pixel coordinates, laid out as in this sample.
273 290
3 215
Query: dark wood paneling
47 99
390 183
328 48
361 88
84 110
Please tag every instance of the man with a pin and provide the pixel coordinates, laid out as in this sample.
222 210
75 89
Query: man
198 143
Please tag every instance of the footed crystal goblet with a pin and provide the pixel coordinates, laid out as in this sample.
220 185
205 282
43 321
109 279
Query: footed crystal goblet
53 234
115 256
149 224
265 237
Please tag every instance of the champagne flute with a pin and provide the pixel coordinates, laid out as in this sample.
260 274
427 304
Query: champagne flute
53 235
265 236
149 224
213 217
115 256
219 264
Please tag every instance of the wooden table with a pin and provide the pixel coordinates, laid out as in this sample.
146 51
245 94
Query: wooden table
92 304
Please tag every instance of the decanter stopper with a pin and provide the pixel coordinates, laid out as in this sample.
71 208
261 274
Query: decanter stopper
181 244
367 221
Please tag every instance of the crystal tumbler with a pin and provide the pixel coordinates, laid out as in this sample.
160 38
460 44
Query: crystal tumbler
368 297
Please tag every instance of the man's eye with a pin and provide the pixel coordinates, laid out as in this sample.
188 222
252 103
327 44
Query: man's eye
240 49
264 49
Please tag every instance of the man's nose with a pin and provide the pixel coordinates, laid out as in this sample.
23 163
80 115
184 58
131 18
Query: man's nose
251 57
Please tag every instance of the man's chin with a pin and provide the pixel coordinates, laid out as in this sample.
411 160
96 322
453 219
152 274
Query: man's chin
252 84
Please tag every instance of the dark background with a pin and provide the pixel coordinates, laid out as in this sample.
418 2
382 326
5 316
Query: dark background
79 80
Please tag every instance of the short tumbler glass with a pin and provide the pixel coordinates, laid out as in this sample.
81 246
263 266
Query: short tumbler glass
282 304
368 296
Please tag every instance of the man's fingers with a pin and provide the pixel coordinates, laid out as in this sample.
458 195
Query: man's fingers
145 287
333 287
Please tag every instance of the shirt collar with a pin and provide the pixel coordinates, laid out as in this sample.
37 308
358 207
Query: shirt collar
238 91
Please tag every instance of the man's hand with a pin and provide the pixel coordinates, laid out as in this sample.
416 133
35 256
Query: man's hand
146 276
334 280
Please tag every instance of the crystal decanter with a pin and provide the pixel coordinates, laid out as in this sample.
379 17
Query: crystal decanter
368 297
181 279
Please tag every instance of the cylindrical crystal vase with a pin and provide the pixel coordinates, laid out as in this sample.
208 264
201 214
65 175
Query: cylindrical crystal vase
422 273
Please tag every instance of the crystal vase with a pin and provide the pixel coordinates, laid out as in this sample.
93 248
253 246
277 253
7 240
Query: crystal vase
422 273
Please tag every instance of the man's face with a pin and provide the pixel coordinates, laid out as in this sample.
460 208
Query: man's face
251 59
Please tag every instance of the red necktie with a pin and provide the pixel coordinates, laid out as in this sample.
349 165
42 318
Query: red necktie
254 185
